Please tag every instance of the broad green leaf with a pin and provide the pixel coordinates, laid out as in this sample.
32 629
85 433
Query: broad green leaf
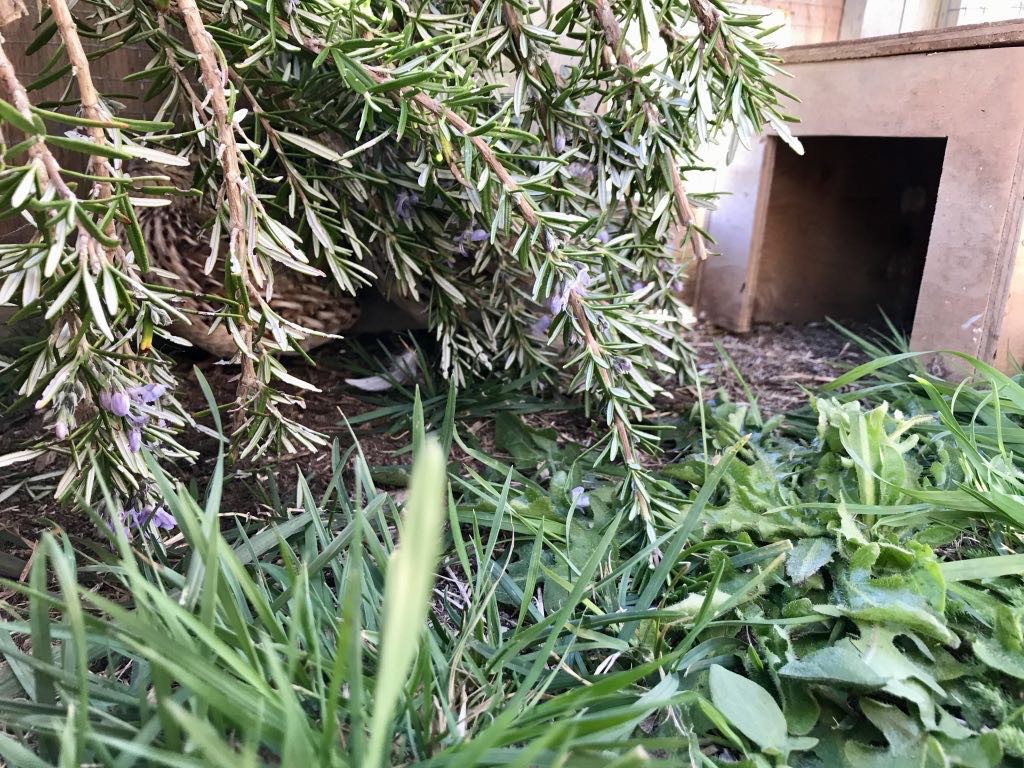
1004 660
982 751
894 587
807 557
750 709
840 663
907 745
879 651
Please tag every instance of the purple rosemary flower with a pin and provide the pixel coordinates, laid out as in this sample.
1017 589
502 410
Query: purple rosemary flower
117 403
137 419
148 393
163 519
551 242
404 203
621 365
540 325
559 142
135 439
105 400
638 285
577 286
603 236
579 497
128 515
157 516
60 430
578 170
468 236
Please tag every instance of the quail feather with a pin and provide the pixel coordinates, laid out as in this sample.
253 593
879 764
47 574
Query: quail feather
178 240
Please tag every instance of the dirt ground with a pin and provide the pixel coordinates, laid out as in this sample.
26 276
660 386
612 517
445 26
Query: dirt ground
776 362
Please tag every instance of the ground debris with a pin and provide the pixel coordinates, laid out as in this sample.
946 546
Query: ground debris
777 362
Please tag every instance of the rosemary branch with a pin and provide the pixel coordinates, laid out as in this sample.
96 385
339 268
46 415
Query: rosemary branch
708 19
629 454
613 37
49 170
437 109
87 95
575 306
214 79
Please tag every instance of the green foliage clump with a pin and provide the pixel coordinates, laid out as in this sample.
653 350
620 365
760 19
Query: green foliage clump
516 169
843 620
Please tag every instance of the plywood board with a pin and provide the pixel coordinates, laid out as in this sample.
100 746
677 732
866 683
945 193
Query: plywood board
997 34
736 225
108 74
971 97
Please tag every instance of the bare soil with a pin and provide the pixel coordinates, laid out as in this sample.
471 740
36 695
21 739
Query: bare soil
779 363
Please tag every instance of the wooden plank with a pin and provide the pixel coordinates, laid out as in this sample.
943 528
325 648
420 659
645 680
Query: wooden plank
997 34
721 291
108 72
749 295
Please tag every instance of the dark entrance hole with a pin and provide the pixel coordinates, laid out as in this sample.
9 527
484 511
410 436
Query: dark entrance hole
846 229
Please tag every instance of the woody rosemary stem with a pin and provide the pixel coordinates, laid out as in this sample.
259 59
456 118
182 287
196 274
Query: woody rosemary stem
214 79
629 455
49 170
87 94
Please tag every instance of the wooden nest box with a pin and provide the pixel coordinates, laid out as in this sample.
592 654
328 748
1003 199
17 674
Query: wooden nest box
908 198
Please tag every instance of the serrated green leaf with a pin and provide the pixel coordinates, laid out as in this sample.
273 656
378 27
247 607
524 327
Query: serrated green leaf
807 557
840 663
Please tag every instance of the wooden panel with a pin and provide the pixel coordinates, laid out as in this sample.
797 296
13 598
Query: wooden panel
974 36
108 74
723 281
973 281
809 21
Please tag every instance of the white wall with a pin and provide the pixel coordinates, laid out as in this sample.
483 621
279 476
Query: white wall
981 11
872 18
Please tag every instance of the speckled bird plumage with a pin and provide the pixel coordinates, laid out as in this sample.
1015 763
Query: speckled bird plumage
178 241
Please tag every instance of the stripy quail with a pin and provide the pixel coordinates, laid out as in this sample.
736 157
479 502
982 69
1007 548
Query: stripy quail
178 241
